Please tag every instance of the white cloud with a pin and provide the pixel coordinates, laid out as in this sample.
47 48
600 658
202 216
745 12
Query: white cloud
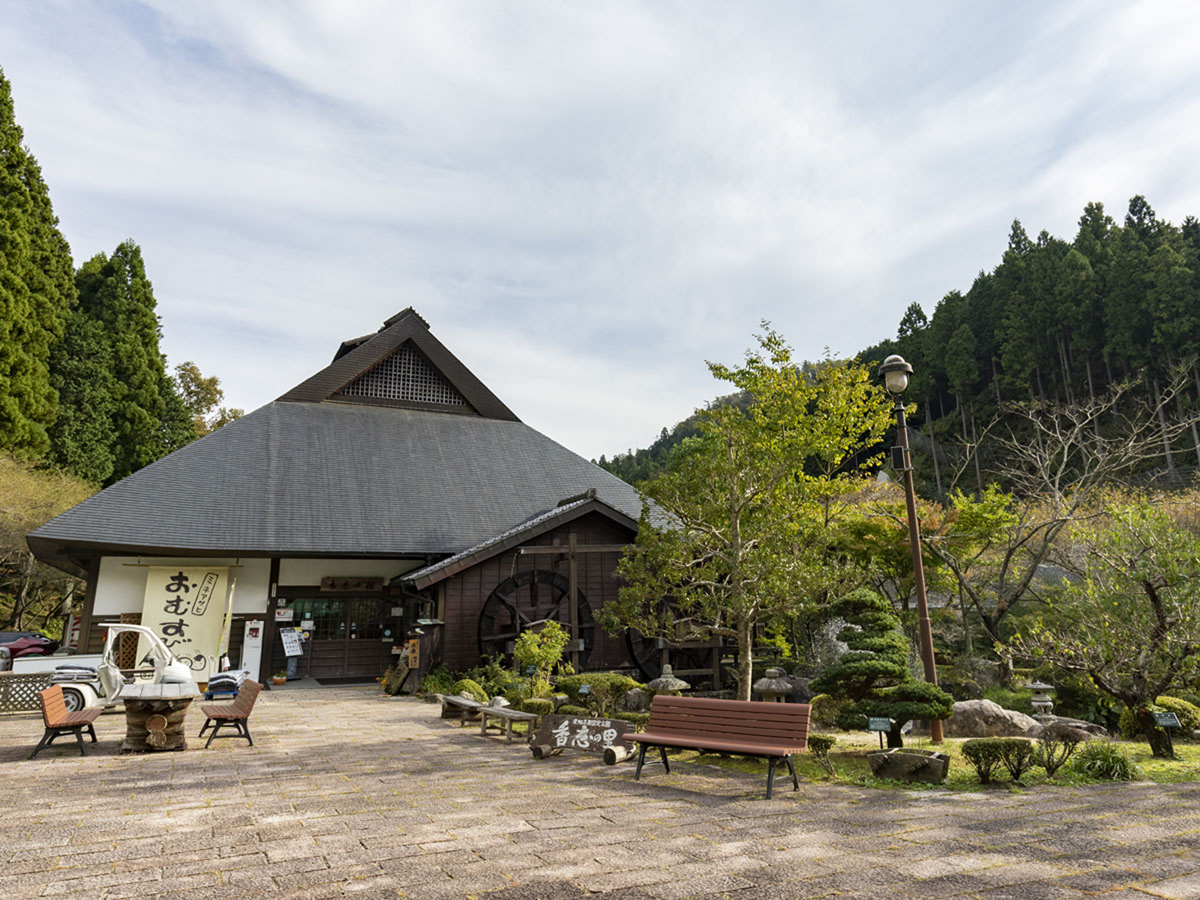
585 201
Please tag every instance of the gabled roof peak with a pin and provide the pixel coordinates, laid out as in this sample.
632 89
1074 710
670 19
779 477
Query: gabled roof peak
403 365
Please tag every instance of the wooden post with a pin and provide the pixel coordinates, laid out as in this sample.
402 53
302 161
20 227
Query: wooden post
573 588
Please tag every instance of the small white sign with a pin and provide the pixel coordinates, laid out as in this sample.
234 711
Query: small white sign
283 615
306 624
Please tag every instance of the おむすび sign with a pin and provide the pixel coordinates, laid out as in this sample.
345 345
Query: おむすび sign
186 607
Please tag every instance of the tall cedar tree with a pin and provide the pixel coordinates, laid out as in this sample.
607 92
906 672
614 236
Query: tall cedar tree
36 291
149 418
873 672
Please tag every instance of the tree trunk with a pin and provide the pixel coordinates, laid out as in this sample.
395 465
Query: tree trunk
1154 735
745 666
937 472
1172 475
975 441
895 738
1092 396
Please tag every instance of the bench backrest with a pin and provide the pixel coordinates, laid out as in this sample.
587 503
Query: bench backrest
243 703
54 707
739 720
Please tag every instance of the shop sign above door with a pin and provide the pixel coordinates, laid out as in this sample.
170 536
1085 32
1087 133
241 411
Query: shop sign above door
355 585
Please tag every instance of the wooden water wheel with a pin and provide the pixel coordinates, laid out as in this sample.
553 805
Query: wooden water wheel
529 600
693 661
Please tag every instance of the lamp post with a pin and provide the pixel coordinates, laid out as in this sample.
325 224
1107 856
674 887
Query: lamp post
895 372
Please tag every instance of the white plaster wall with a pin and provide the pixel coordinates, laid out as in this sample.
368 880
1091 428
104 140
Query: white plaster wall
304 572
121 586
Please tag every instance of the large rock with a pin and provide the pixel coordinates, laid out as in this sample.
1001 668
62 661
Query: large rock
1091 728
635 700
909 765
983 718
800 690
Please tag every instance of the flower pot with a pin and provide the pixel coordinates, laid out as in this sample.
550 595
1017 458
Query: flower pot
275 679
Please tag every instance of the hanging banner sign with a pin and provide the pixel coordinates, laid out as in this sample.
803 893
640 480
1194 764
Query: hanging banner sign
187 608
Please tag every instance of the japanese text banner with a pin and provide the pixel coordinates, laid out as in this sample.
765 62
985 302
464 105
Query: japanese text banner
186 608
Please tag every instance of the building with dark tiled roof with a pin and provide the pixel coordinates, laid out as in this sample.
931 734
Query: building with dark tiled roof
391 486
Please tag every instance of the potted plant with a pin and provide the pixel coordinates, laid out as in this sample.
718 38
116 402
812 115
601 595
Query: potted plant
279 677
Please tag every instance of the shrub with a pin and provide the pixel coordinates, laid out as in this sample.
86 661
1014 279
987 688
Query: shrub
827 709
496 678
518 693
1104 761
542 649
540 706
638 720
568 710
1018 756
984 754
606 689
1056 744
1018 701
471 688
1188 713
819 746
437 681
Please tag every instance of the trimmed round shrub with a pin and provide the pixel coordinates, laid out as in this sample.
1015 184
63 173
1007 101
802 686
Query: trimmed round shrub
471 688
819 746
1188 713
568 709
638 720
606 689
987 755
1104 761
827 709
539 706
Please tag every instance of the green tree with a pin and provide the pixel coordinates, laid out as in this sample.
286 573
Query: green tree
873 673
32 594
202 396
36 292
725 534
149 417
82 373
1132 623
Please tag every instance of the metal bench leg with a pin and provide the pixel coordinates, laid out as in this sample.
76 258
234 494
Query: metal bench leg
47 737
636 775
246 731
666 765
792 769
207 725
92 731
79 740
771 776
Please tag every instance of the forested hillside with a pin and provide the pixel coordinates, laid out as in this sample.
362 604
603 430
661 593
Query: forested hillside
1057 321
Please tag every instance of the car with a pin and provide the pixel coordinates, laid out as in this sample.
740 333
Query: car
20 644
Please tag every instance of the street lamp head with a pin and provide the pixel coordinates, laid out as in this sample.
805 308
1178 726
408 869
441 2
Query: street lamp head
895 372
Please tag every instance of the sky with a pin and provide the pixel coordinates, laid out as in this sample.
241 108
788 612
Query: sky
586 201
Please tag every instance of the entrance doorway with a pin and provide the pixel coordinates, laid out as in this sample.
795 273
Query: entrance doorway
351 637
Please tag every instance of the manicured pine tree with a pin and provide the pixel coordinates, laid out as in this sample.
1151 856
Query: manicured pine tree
36 291
873 673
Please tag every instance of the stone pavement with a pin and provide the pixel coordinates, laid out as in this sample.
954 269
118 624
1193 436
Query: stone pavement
348 793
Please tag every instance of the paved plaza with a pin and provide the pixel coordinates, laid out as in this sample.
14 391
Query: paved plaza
349 793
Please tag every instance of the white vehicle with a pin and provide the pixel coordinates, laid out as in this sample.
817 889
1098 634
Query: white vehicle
85 687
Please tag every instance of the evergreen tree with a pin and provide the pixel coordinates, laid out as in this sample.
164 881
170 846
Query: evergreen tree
149 418
36 292
873 673
82 372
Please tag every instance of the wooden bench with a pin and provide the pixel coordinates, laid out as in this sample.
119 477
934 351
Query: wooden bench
773 731
507 717
59 721
463 707
235 715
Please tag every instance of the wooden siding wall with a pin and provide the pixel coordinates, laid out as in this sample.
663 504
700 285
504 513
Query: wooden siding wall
467 591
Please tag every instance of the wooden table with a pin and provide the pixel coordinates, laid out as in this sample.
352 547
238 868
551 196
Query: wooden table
154 716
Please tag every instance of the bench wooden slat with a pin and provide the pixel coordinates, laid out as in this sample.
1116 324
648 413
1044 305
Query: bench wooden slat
744 727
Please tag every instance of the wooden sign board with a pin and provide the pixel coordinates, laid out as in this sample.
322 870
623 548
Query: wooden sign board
357 585
582 733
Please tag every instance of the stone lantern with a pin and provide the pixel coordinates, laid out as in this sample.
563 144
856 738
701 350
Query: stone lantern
773 687
1042 704
667 683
